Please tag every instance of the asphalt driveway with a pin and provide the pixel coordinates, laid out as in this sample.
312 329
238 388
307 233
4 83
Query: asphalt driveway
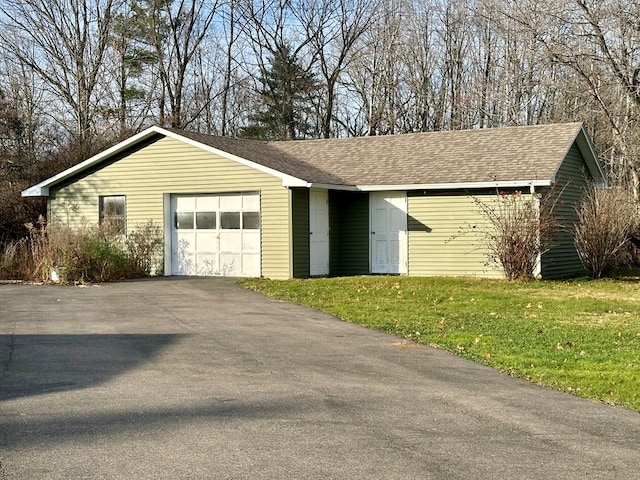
201 379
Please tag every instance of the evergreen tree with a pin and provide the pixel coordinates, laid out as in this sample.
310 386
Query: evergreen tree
133 56
287 89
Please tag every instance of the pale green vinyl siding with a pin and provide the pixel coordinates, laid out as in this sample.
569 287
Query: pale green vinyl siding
169 166
572 178
300 232
445 235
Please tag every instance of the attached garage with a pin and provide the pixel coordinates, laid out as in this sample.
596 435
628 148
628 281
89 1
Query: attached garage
216 234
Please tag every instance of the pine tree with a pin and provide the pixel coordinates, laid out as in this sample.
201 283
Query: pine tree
286 94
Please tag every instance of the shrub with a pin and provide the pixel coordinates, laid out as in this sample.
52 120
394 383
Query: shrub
55 252
144 246
520 231
607 219
16 261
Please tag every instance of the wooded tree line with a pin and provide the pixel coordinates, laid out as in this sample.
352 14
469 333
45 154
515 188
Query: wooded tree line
77 75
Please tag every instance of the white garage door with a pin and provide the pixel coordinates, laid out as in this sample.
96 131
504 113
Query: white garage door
216 235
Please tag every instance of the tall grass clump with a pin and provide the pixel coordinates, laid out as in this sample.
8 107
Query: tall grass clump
16 262
54 252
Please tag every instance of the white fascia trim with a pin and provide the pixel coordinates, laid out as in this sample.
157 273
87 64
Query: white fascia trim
36 191
590 157
42 188
430 186
287 180
457 186
594 157
331 186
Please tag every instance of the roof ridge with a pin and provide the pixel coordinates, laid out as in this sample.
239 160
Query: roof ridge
486 130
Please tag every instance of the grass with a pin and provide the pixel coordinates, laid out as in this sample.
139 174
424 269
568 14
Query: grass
578 336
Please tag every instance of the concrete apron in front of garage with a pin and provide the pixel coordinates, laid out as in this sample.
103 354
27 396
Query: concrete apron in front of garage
198 378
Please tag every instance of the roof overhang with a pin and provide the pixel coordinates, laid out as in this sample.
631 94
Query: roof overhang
42 189
582 140
435 186
458 186
588 151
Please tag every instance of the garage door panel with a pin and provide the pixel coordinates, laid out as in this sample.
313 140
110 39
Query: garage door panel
207 203
206 241
184 261
230 264
207 264
231 202
186 241
231 241
251 241
250 263
185 204
251 202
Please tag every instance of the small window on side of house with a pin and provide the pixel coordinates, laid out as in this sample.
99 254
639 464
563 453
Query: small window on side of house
113 212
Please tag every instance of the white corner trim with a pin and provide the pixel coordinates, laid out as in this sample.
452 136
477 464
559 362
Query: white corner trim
167 222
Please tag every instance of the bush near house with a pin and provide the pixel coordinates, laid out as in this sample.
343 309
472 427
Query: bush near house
54 252
607 220
520 230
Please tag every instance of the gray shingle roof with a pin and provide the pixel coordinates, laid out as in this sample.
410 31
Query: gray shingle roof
466 156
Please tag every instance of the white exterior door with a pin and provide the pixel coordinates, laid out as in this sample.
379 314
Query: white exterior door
318 232
388 211
216 235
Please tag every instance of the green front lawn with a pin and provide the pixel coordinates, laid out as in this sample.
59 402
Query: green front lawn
581 337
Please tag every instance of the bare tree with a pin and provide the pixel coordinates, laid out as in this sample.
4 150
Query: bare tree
455 38
335 28
64 42
375 77
177 30
600 43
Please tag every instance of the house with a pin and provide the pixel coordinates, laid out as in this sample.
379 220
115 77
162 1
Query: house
370 205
